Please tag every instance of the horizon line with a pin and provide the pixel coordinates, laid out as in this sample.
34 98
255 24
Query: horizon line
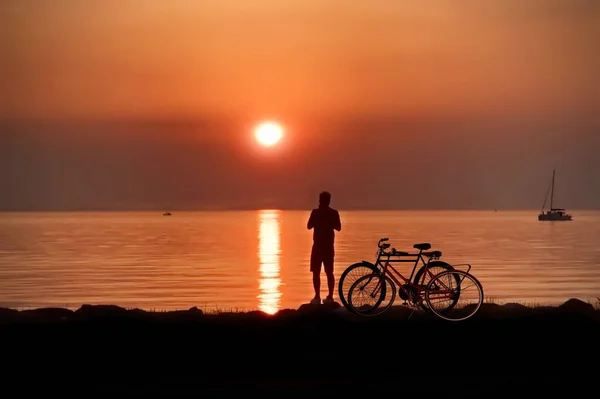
265 208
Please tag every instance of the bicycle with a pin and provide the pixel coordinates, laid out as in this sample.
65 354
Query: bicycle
446 288
431 265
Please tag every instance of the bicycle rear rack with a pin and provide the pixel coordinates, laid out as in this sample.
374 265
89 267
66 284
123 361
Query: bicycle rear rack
462 264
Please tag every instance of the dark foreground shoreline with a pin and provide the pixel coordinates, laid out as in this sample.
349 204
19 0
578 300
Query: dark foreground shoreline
318 351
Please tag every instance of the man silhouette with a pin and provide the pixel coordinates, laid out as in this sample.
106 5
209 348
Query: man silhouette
324 220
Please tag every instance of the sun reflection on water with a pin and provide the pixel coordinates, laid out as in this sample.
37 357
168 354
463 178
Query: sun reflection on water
268 254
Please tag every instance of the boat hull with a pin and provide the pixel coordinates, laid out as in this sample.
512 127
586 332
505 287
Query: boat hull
550 217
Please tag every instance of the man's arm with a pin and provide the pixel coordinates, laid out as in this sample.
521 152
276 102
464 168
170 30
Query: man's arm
338 222
311 220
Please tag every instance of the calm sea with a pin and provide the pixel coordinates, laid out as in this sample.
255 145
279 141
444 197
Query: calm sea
251 260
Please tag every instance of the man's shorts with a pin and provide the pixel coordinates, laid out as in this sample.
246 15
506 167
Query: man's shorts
321 256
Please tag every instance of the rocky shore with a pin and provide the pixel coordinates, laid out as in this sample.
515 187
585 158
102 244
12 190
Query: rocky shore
312 350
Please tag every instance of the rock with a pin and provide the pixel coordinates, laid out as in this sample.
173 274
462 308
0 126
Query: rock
8 315
192 314
101 312
508 310
48 314
309 307
286 313
140 314
515 307
574 305
194 309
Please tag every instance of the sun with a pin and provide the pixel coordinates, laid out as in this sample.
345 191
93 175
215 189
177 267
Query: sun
268 133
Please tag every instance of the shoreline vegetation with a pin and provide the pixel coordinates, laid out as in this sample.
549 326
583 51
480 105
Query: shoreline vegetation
488 311
316 350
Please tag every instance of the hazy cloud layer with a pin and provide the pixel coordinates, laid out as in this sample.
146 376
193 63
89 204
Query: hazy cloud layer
389 104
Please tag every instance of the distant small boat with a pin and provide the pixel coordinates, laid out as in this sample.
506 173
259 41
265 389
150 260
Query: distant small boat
167 214
553 214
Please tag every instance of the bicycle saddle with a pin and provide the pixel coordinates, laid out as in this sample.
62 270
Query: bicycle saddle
423 246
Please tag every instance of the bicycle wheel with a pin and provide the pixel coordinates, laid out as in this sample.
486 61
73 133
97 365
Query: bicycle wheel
422 278
454 295
349 277
368 294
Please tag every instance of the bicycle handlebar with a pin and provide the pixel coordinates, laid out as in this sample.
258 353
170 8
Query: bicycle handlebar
394 252
381 241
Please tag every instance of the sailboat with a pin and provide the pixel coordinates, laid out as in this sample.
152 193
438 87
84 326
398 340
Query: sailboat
553 213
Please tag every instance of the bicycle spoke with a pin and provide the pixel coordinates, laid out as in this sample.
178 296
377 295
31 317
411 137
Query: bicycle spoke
371 295
454 295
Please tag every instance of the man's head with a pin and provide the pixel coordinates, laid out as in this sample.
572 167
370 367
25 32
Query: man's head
324 198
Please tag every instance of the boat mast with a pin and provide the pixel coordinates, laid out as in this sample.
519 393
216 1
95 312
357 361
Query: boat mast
552 192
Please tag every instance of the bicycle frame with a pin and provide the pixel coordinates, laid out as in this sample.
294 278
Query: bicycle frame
385 260
403 257
398 278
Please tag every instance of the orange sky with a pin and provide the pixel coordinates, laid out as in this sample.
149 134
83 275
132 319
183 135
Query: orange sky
190 58
471 103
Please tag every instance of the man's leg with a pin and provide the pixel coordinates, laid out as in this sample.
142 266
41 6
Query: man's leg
315 268
317 283
328 266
